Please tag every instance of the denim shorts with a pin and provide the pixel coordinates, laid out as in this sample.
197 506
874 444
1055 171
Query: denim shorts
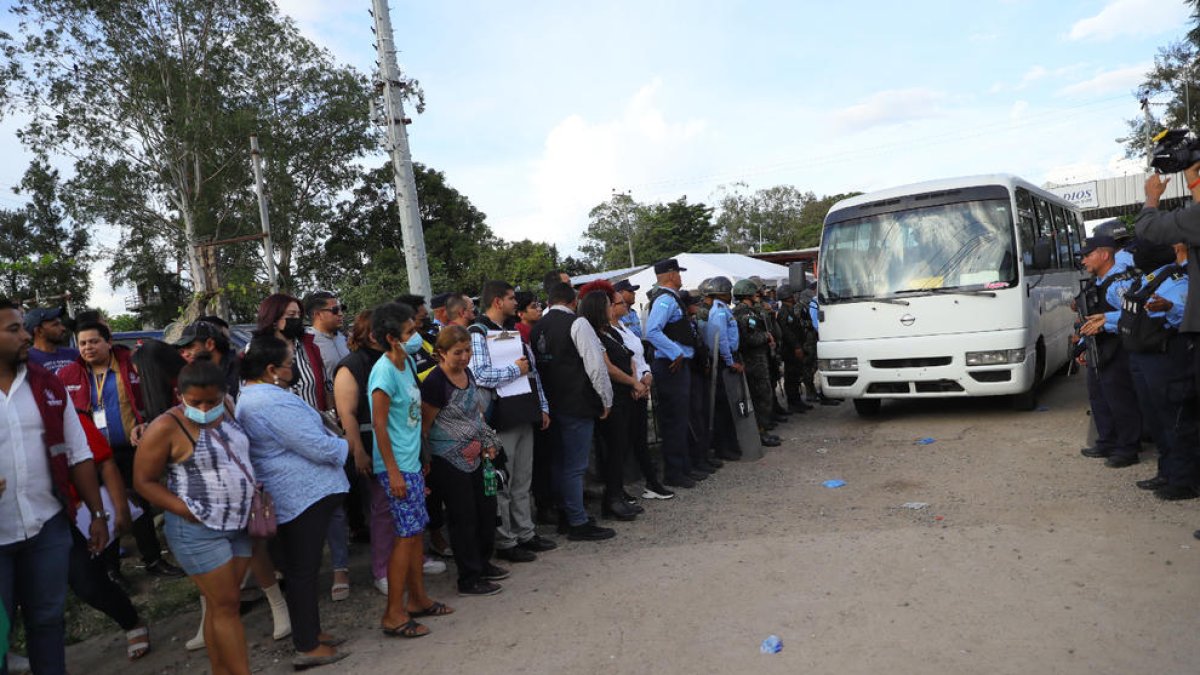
409 516
199 549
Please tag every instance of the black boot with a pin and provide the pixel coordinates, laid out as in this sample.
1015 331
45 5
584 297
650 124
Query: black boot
617 508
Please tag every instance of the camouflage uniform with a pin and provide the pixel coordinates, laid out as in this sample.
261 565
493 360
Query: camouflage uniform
752 332
794 333
773 355
808 369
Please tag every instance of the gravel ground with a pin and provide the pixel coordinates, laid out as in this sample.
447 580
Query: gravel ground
1028 559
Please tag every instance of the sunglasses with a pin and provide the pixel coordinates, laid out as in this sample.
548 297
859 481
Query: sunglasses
336 309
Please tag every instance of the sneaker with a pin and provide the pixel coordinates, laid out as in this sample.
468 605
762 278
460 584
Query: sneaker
494 572
164 569
680 482
480 588
590 531
538 544
18 664
516 554
656 491
381 585
433 566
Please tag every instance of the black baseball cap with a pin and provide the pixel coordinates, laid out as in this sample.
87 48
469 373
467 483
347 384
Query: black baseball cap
198 331
39 315
624 285
1098 241
668 265
439 300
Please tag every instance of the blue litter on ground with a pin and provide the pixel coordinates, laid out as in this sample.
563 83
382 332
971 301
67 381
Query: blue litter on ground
772 645
834 483
1042 408
926 441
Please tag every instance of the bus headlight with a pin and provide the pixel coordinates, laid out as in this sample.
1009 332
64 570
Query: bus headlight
997 357
837 364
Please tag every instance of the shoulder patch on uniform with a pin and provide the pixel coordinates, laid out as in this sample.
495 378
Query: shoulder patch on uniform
1179 274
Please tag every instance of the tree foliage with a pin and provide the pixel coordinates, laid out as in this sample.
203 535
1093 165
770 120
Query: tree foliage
156 102
656 231
42 253
1173 78
781 218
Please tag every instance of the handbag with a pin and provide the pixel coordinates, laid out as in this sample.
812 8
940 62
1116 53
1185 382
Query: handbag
263 523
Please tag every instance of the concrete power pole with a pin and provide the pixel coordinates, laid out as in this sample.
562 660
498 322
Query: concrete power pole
268 247
406 185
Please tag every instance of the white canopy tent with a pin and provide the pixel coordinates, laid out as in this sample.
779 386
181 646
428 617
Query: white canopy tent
701 266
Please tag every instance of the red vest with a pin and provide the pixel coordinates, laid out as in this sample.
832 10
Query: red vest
52 402
313 352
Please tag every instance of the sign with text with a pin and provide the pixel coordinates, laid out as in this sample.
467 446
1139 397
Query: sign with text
1082 195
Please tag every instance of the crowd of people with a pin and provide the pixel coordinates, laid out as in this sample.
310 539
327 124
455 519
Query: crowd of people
429 428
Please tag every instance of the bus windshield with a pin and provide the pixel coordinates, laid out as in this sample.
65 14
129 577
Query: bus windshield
968 245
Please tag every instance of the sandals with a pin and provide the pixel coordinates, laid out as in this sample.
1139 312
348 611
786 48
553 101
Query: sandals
408 629
436 609
138 641
340 592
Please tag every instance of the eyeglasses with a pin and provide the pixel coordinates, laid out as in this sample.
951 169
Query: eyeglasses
336 309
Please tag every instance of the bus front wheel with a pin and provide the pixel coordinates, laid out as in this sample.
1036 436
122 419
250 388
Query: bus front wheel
867 407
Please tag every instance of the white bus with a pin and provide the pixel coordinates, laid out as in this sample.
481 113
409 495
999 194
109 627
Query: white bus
957 287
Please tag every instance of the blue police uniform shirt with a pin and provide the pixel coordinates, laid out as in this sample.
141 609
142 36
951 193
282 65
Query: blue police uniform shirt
666 310
1173 291
813 313
722 332
1115 293
1123 260
632 322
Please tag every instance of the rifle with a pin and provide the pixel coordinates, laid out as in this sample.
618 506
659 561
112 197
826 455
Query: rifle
1089 297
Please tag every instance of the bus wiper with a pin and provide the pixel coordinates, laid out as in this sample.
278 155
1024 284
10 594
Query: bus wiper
834 299
950 291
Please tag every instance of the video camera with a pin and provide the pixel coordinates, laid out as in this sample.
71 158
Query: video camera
1175 150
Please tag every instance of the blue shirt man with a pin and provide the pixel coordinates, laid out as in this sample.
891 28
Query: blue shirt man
721 334
631 319
664 311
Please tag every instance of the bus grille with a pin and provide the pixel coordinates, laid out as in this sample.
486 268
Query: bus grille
911 363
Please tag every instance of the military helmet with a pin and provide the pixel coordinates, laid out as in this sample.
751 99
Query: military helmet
784 291
702 289
745 289
719 286
758 282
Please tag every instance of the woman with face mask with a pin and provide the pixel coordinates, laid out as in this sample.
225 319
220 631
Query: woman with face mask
299 461
204 453
281 315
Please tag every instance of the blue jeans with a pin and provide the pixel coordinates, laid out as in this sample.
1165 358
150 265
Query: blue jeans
33 573
338 538
575 447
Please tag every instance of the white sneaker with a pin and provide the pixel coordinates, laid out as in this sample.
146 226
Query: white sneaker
381 585
434 566
17 664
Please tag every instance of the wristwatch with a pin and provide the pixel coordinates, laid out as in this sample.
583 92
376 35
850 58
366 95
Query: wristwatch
101 515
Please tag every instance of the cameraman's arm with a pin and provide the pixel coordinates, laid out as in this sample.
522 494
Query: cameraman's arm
1169 227
1192 176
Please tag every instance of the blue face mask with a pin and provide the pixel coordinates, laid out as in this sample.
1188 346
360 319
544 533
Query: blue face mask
204 416
414 343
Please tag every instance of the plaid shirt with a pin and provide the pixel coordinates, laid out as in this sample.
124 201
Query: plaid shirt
489 377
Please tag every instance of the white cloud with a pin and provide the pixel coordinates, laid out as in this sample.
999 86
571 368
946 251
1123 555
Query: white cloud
583 161
890 107
1018 110
1107 82
1131 17
1078 172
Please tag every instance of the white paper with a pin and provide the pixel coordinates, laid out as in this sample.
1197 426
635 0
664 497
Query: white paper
504 348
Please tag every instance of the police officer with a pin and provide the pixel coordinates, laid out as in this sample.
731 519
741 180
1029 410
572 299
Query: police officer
792 323
721 336
755 343
631 320
698 425
1159 362
1114 404
671 334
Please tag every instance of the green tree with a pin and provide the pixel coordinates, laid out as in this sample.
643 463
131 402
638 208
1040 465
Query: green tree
676 227
41 253
157 101
520 263
782 217
1173 77
613 228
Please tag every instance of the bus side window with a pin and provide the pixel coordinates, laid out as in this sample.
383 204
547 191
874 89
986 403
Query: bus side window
1075 225
1026 226
1045 228
1062 237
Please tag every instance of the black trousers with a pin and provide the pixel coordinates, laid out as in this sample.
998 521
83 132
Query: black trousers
1165 388
793 376
358 500
470 515
543 484
615 441
699 438
672 403
143 528
301 541
639 425
89 580
1115 408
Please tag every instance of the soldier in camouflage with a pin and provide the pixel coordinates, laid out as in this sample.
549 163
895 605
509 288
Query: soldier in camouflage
796 328
755 343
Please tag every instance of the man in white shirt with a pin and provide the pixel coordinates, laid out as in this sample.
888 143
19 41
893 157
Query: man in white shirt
35 535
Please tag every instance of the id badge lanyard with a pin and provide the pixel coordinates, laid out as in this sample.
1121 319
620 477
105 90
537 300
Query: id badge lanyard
98 415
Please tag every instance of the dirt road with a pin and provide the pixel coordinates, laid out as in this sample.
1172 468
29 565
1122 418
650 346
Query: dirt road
1028 559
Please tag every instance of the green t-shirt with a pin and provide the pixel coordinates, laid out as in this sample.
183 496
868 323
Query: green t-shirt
404 416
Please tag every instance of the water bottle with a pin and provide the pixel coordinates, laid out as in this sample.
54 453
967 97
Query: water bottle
489 478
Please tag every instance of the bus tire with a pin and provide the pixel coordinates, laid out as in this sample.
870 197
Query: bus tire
867 407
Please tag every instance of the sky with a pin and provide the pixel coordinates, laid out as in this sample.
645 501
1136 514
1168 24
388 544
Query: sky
537 111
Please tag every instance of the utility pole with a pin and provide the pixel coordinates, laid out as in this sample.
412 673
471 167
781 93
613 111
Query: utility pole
1149 131
268 247
406 185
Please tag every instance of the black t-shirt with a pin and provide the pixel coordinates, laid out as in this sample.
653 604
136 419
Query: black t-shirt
359 363
437 389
